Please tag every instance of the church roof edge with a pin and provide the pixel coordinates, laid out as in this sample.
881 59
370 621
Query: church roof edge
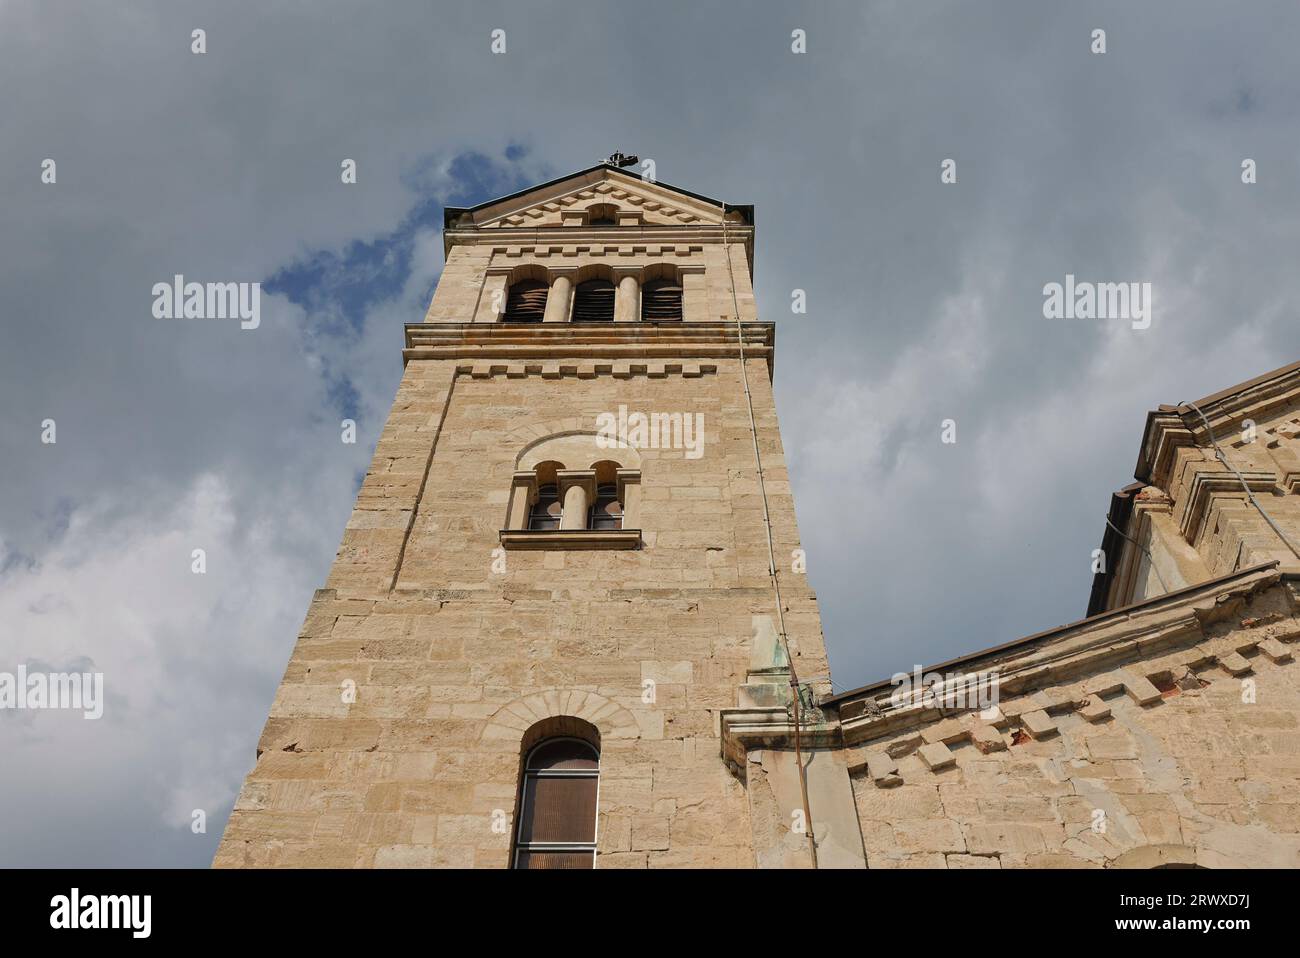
451 213
1023 644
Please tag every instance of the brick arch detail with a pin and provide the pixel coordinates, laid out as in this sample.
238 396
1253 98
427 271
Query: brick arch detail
513 719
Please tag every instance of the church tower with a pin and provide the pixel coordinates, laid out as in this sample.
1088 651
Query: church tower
560 627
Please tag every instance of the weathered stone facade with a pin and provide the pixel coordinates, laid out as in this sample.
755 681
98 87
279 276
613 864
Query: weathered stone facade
451 636
456 650
1162 734
1161 730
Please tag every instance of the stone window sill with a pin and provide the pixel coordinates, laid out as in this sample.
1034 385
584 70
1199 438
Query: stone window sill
571 538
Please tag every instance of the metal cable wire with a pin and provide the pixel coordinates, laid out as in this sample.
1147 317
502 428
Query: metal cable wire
1218 452
1145 551
771 549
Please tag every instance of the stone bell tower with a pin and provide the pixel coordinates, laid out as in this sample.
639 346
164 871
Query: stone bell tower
553 636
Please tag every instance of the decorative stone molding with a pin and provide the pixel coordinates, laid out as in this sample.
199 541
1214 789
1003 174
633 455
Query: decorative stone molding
593 247
1171 427
746 729
632 203
622 350
1214 483
530 434
573 443
585 370
512 720
570 539
1166 643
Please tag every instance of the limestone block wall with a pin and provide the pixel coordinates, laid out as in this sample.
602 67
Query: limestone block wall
456 297
452 660
1190 756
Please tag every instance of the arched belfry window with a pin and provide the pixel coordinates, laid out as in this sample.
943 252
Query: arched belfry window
661 301
548 507
560 498
547 510
526 301
593 302
557 805
606 511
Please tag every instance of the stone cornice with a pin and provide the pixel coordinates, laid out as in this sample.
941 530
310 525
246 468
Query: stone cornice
1210 637
555 539
1165 434
653 345
1207 485
619 236
1081 651
1170 427
744 729
599 180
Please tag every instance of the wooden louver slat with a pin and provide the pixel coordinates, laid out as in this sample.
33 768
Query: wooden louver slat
593 302
558 807
661 301
526 302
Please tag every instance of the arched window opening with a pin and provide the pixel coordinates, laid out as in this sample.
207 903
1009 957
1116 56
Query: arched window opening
606 511
546 511
557 805
602 214
593 302
554 503
661 301
526 301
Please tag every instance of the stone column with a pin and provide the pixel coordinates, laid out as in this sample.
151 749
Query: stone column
557 300
627 299
577 490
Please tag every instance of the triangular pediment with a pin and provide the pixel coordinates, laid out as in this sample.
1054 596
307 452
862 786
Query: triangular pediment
602 195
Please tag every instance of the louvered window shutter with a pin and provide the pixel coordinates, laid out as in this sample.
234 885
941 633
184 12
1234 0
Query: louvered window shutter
526 302
661 301
593 302
557 811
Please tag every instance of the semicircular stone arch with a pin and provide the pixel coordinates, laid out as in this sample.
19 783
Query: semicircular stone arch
1158 856
513 719
573 442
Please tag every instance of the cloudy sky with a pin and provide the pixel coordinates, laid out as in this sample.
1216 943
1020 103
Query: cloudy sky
924 303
